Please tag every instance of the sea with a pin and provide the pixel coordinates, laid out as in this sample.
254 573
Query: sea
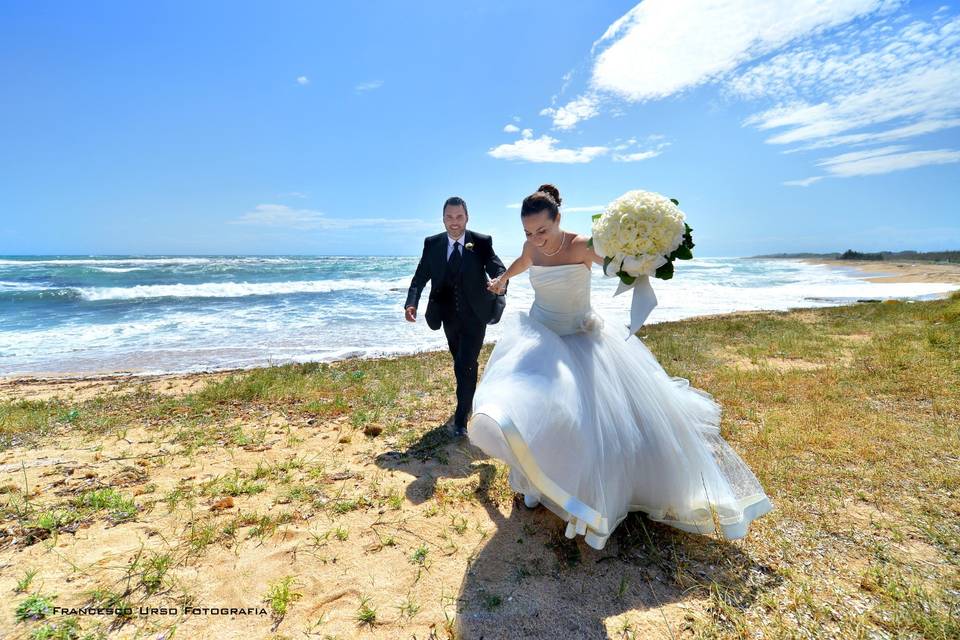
86 315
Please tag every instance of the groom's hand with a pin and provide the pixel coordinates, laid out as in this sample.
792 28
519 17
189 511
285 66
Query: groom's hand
411 314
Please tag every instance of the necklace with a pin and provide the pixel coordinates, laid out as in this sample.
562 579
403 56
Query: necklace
563 239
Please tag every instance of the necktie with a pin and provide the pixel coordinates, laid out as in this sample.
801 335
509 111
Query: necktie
455 258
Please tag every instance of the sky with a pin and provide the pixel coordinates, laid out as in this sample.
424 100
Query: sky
340 128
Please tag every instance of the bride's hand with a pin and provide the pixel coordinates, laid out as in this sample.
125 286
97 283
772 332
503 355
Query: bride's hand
496 286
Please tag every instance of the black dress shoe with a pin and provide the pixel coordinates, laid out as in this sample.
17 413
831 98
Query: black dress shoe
459 430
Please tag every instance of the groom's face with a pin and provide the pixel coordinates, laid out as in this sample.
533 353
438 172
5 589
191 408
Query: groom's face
455 220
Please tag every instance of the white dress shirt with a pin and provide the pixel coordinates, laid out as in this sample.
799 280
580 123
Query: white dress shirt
451 241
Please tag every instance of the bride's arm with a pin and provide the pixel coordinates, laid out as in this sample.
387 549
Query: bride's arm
517 267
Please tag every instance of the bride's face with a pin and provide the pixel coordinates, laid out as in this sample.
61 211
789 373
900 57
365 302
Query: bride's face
541 230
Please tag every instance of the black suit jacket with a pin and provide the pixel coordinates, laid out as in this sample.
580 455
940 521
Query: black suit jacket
479 262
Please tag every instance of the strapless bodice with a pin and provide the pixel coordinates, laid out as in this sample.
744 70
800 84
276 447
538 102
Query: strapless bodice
562 298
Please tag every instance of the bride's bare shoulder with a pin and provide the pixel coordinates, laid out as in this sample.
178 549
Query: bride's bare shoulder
580 242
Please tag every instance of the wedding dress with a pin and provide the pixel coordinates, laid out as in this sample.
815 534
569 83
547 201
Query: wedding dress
593 427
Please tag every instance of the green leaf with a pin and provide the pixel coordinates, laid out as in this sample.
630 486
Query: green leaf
596 216
626 278
606 261
665 272
590 242
675 201
683 253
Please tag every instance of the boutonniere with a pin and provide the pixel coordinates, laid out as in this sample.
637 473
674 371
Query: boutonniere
468 246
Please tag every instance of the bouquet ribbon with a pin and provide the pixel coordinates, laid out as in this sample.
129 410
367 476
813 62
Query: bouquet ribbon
644 300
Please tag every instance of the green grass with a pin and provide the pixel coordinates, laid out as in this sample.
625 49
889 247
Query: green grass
118 507
366 615
66 629
36 606
281 595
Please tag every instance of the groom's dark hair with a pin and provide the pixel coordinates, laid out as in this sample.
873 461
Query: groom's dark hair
456 201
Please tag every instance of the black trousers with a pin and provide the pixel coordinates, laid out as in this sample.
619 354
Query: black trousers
465 335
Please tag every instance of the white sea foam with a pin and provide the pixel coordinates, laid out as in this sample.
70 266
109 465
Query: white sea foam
236 289
105 261
20 286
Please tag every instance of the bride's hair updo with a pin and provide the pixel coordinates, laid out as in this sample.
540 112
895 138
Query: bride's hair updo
546 198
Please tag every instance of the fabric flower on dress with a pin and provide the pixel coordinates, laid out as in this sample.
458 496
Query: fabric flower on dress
591 322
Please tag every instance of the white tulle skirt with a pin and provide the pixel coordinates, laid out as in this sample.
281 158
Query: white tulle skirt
592 426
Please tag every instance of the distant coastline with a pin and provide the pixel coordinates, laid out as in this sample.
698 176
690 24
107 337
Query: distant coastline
948 257
889 271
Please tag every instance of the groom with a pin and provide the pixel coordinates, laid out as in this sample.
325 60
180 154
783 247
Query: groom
457 264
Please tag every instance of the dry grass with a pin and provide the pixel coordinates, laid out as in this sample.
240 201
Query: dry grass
331 498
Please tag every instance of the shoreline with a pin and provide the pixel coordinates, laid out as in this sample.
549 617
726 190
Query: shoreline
40 385
81 386
903 272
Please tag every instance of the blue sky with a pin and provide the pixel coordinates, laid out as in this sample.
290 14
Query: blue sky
309 128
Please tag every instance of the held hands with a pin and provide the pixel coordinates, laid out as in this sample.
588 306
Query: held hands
497 285
411 314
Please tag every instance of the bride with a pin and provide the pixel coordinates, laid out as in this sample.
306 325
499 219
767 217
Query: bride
590 424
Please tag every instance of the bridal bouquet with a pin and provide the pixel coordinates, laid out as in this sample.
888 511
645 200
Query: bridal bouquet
639 235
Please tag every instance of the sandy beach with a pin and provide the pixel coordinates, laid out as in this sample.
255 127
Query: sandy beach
896 271
330 500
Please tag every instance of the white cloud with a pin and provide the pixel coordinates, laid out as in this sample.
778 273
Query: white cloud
636 156
511 128
515 205
806 182
842 73
568 116
543 149
856 156
303 80
899 133
369 86
907 79
282 216
845 73
663 47
877 161
279 215
886 160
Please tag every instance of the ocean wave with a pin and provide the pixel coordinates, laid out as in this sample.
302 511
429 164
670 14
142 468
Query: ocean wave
148 262
23 291
237 289
20 286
